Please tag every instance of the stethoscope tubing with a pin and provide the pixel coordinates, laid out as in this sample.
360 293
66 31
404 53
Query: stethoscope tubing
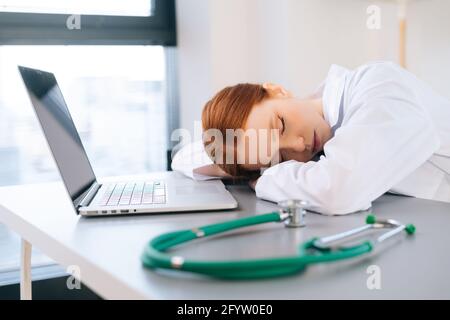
154 255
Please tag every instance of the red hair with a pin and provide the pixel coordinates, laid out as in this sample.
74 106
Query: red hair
229 109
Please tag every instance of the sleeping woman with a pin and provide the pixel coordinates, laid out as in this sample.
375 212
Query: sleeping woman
364 132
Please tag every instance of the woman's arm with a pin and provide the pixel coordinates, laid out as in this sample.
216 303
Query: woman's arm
212 170
192 161
384 142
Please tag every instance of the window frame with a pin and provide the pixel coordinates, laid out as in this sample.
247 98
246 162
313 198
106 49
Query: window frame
157 29
50 29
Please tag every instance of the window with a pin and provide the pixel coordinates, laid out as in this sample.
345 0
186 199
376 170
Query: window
123 108
99 22
98 7
118 106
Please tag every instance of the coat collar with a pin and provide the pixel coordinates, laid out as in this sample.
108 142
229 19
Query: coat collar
333 96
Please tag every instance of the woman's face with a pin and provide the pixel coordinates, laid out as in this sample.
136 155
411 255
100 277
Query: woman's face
299 125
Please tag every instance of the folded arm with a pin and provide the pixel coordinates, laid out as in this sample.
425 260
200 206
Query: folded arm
192 161
381 146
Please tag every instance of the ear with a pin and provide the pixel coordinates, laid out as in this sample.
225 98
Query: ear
276 91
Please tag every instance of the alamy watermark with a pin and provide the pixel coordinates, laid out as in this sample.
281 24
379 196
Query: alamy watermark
73 22
373 21
237 146
74 279
373 282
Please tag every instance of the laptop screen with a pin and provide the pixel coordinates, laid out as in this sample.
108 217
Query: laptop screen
59 130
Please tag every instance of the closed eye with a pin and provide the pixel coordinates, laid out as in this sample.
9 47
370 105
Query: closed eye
282 124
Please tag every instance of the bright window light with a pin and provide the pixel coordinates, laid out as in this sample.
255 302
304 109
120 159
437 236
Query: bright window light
116 95
97 7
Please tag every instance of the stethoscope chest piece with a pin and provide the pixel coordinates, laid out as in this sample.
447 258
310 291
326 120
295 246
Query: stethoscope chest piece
293 212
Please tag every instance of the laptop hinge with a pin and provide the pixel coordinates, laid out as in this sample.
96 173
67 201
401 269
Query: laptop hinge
89 195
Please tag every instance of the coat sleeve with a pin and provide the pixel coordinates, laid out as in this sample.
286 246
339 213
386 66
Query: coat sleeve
385 141
191 158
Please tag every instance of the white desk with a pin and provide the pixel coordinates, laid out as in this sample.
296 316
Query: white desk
107 249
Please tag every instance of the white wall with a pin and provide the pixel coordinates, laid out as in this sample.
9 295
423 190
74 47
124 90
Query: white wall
194 58
293 42
429 42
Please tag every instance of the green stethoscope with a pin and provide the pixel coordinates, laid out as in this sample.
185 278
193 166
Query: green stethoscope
315 250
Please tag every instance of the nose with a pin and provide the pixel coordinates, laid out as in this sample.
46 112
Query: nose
293 144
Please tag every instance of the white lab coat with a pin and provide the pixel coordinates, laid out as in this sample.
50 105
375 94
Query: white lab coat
391 133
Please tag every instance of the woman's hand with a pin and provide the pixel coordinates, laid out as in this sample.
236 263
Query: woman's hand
252 183
212 170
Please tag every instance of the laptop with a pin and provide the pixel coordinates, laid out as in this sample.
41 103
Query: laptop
159 192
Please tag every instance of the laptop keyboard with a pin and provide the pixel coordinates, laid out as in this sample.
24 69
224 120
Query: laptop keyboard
151 192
